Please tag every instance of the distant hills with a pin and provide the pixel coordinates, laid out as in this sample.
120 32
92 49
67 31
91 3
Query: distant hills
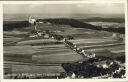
101 19
66 21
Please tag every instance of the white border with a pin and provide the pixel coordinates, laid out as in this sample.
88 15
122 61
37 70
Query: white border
59 2
126 37
1 41
62 1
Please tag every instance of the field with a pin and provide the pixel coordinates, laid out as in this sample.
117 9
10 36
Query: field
48 55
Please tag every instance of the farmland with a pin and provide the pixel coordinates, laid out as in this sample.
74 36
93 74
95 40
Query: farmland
49 53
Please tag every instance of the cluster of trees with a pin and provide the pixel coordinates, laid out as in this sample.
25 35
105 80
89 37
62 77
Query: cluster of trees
89 69
79 24
61 37
10 25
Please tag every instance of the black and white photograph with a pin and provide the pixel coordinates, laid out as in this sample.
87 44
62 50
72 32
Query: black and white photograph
64 41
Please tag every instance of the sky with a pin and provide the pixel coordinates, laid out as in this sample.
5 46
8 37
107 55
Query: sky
65 9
